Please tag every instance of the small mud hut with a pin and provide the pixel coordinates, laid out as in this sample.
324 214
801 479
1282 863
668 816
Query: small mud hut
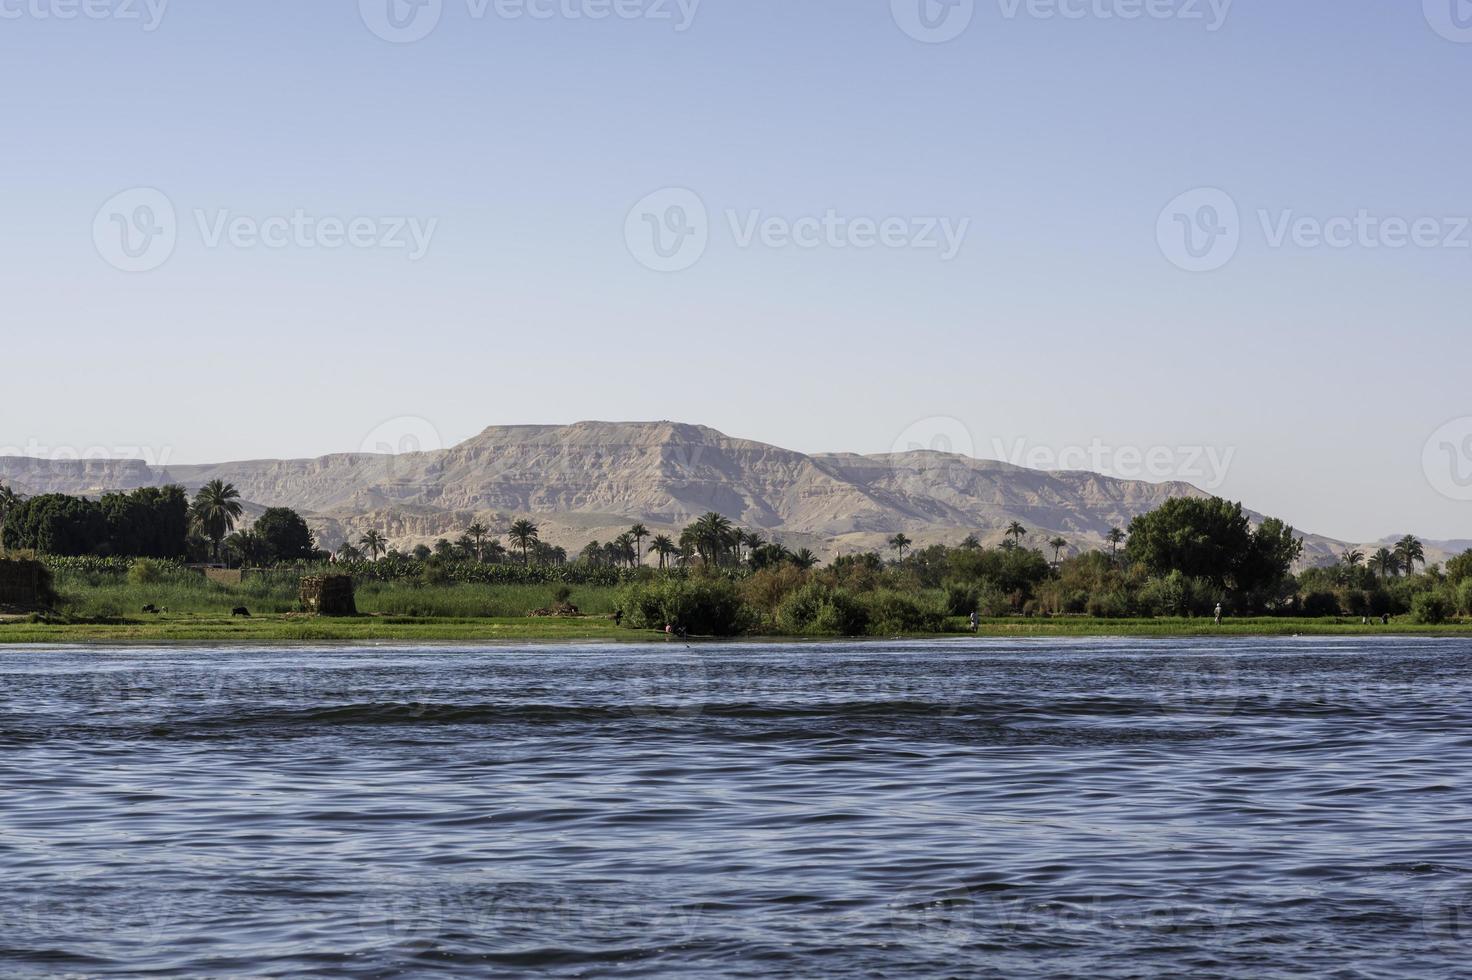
329 595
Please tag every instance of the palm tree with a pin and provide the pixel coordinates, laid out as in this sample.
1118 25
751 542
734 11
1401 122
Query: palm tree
374 543
524 534
348 553
639 532
805 559
1408 551
1017 532
1116 536
1058 544
477 533
247 546
711 537
664 547
1353 558
899 543
628 551
1384 562
215 509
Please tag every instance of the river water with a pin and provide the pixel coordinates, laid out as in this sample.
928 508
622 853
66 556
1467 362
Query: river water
1252 808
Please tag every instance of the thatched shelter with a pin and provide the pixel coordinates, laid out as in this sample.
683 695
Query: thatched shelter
329 595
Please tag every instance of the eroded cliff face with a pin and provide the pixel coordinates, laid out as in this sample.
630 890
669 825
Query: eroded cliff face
592 479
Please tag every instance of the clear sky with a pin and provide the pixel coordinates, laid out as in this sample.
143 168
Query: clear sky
1061 320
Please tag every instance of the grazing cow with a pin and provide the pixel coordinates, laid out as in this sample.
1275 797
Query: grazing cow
240 611
151 609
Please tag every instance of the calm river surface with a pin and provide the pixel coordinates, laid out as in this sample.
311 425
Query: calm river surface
1254 808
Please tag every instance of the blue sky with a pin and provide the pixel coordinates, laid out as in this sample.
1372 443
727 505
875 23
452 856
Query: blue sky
1328 378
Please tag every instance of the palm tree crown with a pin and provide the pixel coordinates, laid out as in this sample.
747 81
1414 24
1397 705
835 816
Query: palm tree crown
215 510
524 534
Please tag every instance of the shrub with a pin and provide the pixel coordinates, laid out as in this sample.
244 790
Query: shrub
893 612
1430 608
1464 597
146 571
820 610
1320 604
706 607
1114 604
962 599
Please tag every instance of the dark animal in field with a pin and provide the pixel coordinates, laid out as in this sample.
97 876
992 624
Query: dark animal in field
151 609
240 611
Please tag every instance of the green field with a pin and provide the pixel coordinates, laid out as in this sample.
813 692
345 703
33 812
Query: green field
298 628
106 608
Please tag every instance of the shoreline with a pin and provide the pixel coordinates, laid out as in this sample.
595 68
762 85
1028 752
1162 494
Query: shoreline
305 630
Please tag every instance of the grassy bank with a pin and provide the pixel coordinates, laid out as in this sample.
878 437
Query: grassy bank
296 628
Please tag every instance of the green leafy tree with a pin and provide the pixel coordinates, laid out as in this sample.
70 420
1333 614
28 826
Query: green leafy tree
1212 539
216 509
524 534
285 536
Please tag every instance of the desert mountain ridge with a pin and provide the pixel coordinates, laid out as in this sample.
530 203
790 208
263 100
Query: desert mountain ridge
591 480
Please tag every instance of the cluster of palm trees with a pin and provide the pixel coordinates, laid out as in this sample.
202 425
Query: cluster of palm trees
1013 536
478 541
712 540
1386 562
